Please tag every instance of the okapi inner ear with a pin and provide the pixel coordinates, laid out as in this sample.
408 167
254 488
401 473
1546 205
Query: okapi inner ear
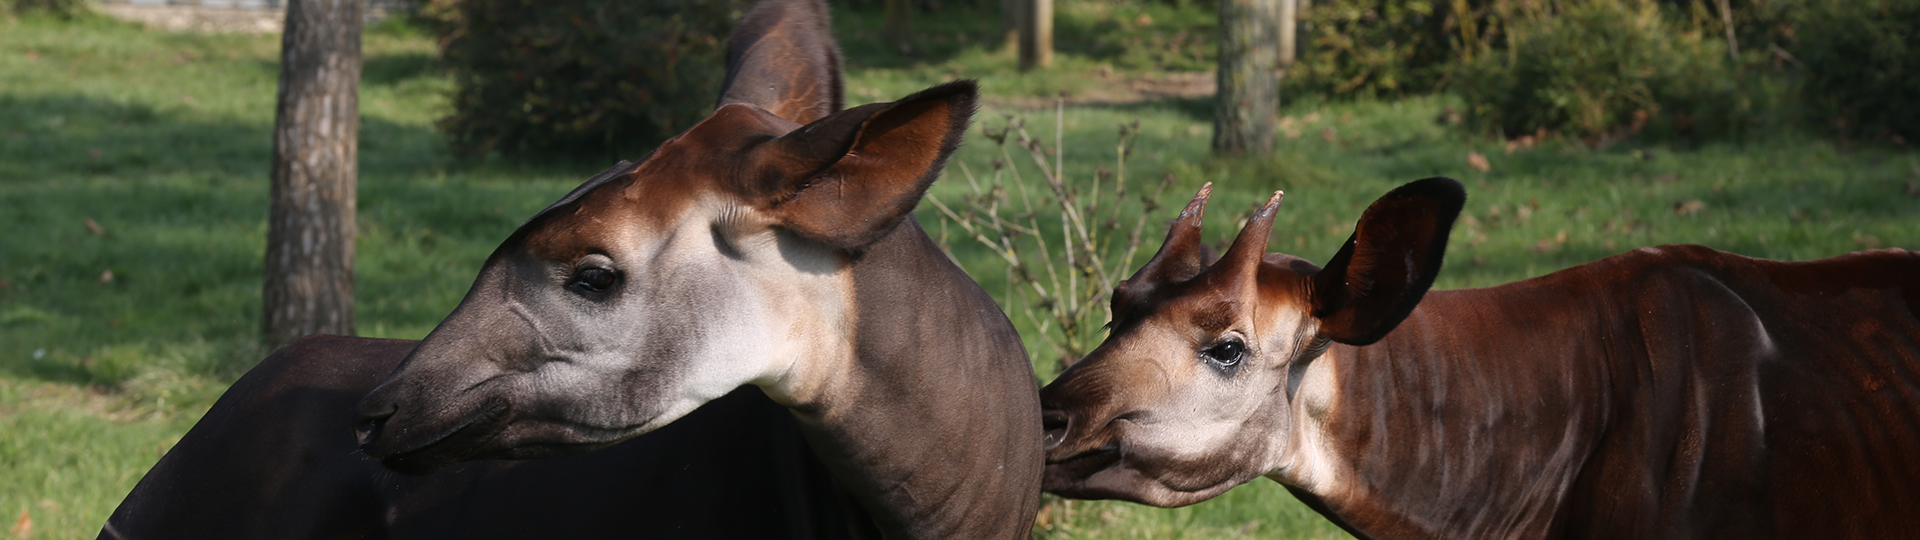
847 179
1386 267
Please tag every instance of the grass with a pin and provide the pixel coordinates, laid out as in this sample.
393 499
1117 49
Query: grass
161 141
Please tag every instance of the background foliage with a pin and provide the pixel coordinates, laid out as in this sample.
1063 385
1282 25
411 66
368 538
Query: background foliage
1862 61
1600 68
583 78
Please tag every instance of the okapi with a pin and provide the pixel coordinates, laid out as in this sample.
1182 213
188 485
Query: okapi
1668 392
770 245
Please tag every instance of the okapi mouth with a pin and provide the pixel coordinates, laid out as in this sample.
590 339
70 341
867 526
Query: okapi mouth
1072 470
453 445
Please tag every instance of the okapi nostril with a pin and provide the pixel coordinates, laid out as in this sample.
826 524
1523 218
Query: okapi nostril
369 427
365 431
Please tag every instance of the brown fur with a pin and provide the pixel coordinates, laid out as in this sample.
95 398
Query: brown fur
1670 392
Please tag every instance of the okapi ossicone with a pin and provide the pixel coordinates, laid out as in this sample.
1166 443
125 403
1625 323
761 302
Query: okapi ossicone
772 246
1668 392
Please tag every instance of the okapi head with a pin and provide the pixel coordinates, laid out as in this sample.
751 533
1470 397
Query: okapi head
721 259
1194 390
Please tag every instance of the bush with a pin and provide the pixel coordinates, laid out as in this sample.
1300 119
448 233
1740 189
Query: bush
57 8
1601 68
1384 47
579 77
1862 62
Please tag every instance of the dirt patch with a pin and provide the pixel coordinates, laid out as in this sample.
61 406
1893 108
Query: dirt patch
175 18
1116 89
200 19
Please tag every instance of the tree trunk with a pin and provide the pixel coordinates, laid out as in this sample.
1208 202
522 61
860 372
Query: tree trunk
1733 43
1289 17
308 285
1249 91
1036 34
1010 22
899 22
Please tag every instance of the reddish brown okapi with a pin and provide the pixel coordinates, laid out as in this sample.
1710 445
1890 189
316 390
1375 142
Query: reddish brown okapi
1669 392
771 245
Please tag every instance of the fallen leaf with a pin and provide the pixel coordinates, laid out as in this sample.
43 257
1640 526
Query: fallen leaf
1194 130
23 527
93 227
1689 207
93 153
1475 160
1866 240
1143 20
1327 134
33 55
106 277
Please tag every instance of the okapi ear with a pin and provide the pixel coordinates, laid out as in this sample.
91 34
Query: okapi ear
848 178
1389 263
782 58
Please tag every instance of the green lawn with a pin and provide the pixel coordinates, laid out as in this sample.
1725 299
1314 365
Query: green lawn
161 141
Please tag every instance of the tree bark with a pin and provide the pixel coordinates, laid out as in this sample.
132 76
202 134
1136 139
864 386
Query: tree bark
1010 22
308 282
1289 17
1249 92
1036 34
899 22
1733 43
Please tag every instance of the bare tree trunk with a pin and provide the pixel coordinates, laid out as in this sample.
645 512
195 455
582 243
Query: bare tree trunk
1036 34
308 285
1244 108
899 22
1289 17
1726 19
1010 22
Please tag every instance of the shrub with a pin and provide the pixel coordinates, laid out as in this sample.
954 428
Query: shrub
579 77
1601 68
1384 47
57 8
1862 62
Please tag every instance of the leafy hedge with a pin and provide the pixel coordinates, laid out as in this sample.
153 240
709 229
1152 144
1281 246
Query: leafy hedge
58 8
1601 68
579 77
1862 61
1387 47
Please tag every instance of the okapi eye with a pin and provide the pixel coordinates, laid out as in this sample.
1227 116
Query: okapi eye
1227 353
593 280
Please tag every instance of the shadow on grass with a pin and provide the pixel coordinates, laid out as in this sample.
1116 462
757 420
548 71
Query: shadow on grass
135 234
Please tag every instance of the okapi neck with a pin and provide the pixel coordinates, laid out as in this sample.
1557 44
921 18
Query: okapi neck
1447 432
935 425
